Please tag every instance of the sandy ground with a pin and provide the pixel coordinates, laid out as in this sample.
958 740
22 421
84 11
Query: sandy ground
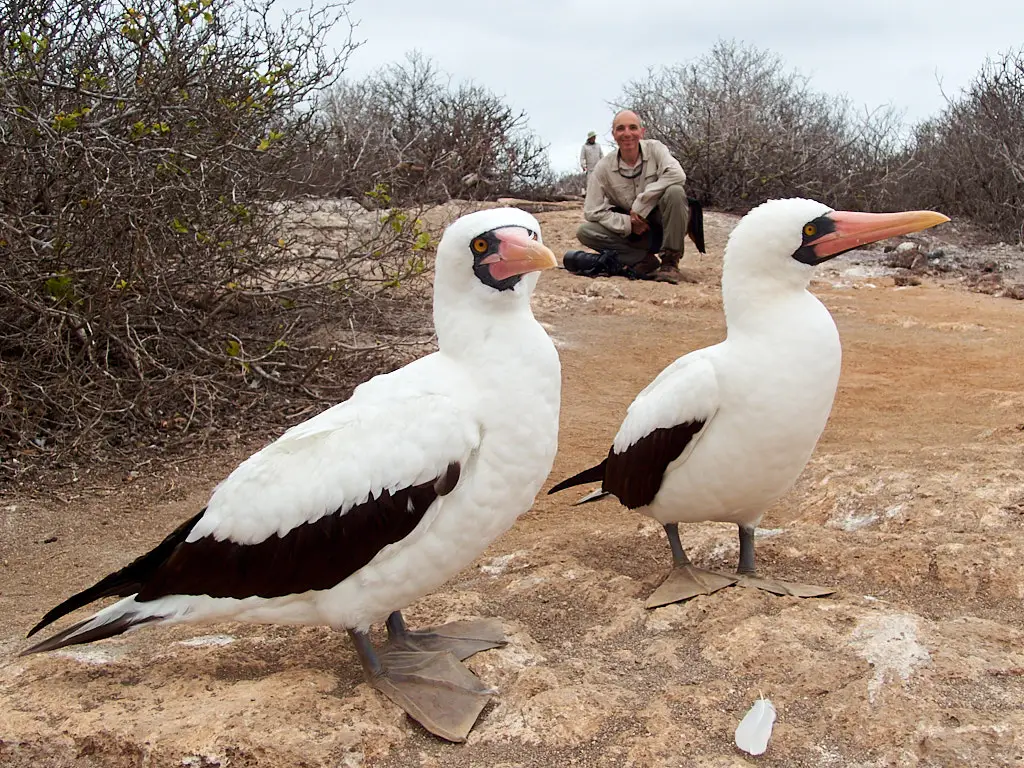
912 508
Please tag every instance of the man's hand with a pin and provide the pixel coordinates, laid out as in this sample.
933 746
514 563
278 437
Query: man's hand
637 223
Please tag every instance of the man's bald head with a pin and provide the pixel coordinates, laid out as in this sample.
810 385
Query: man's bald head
628 117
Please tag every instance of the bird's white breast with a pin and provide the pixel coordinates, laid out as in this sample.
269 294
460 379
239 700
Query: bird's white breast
516 397
777 384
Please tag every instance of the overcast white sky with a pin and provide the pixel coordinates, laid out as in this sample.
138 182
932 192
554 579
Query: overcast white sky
562 61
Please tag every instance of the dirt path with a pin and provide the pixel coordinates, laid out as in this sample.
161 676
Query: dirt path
912 506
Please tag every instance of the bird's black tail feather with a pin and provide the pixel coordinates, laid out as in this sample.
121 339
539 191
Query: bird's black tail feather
592 475
124 582
695 226
74 636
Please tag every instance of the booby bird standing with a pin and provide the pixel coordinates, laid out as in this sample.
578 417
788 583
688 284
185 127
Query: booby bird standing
352 515
723 432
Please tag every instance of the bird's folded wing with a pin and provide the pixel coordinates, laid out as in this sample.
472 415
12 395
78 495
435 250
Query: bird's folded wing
342 458
662 426
317 504
685 391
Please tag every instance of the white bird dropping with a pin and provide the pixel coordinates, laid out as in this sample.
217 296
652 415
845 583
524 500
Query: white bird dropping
755 728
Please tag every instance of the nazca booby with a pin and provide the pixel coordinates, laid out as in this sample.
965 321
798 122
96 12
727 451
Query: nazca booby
350 516
723 432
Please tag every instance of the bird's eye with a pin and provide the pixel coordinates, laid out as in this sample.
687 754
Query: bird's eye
533 235
810 230
480 245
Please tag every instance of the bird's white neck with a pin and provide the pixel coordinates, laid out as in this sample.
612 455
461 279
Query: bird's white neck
465 331
749 299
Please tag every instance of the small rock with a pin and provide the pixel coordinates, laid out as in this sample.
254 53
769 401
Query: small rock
1015 291
988 284
908 259
905 247
904 280
603 290
938 253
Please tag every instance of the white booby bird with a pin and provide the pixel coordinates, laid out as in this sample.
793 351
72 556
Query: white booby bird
352 515
723 432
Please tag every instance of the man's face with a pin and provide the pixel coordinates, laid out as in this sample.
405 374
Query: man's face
627 130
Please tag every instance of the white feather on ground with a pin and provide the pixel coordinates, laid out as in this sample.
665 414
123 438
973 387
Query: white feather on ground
755 728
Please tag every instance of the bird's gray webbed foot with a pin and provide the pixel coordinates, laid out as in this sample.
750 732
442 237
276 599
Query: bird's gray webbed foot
461 638
780 587
685 580
433 687
748 576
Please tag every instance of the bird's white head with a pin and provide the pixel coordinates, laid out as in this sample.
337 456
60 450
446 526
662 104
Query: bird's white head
492 256
778 243
487 267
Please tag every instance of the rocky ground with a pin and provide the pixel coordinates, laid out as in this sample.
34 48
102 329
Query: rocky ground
912 508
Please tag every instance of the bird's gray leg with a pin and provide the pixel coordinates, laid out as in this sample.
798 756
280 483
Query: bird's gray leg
367 655
748 577
396 625
685 580
433 688
679 558
747 566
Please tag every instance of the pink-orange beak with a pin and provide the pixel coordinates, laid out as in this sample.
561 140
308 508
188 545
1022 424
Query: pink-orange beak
852 230
518 254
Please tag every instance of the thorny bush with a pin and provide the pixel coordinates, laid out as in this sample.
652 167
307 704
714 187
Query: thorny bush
431 139
746 130
153 285
970 158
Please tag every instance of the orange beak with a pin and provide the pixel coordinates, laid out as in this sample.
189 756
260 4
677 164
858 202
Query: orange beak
852 230
518 254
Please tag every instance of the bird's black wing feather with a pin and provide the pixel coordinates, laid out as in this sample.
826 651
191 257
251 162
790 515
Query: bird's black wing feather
313 556
635 475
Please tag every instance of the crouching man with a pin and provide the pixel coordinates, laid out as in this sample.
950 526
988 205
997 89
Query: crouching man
636 211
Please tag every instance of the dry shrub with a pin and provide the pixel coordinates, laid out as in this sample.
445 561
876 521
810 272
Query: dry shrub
569 185
971 156
745 130
153 286
429 139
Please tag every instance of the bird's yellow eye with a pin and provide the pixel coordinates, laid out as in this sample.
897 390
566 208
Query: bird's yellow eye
810 230
480 245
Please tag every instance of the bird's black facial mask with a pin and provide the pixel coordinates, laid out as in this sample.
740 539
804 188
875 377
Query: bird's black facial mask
491 262
811 233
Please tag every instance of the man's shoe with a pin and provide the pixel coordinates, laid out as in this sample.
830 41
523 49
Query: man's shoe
669 271
646 269
667 274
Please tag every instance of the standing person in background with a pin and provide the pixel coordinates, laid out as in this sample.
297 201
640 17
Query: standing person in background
590 154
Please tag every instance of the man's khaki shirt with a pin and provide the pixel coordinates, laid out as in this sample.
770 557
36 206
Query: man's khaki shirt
607 187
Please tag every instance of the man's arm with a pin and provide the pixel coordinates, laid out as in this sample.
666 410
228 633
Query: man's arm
671 173
598 209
